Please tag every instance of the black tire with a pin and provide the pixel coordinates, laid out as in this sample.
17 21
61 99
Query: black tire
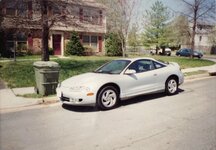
171 86
111 101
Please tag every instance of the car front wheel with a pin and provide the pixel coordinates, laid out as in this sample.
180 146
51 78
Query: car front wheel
108 98
171 86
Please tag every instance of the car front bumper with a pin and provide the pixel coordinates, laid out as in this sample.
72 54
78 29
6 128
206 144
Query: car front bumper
75 98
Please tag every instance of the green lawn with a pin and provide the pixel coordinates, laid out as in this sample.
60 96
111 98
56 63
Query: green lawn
21 73
185 62
27 57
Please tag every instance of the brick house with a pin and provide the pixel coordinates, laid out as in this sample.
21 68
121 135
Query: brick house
21 24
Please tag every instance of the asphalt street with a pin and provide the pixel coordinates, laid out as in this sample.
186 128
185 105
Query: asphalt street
186 121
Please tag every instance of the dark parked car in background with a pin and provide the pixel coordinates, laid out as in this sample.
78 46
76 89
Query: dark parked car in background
187 52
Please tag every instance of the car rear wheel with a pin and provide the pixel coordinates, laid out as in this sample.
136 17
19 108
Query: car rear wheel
108 98
171 86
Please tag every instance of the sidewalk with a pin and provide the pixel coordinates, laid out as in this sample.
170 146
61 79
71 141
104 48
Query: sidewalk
205 68
9 98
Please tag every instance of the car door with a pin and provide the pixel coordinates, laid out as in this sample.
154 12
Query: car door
185 52
141 82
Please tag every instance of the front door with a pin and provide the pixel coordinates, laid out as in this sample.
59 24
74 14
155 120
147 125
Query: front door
57 44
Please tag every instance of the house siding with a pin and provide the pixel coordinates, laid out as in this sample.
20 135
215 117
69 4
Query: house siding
201 40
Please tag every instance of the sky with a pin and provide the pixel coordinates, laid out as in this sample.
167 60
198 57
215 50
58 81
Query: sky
174 6
171 4
143 5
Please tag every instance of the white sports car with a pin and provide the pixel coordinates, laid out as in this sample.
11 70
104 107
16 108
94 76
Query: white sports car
119 80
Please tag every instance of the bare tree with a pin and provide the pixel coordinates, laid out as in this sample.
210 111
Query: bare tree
119 18
133 37
199 10
179 31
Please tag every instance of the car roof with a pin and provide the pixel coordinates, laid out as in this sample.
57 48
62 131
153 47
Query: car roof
136 58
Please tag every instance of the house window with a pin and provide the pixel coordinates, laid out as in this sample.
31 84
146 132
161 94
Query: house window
16 41
86 40
30 9
200 38
18 8
56 10
92 16
91 41
21 42
94 41
87 16
11 8
22 9
81 15
95 19
101 17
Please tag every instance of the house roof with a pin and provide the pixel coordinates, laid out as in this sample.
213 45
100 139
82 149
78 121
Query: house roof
91 3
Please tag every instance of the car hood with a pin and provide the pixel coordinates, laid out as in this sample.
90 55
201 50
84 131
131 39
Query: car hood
86 79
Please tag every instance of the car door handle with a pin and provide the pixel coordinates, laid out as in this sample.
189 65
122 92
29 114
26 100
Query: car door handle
155 74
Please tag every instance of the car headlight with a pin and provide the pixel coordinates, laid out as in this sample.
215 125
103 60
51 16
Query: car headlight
80 89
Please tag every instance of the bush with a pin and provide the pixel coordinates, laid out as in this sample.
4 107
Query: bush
74 47
51 51
89 51
113 45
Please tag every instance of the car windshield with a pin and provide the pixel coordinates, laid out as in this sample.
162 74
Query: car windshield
113 67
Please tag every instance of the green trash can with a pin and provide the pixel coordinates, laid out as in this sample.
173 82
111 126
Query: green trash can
46 75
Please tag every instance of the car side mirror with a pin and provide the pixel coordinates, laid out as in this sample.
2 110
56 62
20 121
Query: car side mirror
130 71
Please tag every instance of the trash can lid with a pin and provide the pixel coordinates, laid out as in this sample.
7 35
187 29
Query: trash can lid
45 64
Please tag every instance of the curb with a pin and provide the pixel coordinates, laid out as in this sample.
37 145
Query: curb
48 100
38 104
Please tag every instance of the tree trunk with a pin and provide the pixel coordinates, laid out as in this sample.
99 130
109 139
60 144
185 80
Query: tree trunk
156 50
123 48
194 30
45 31
193 38
163 51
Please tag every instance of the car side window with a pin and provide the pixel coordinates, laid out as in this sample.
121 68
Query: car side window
142 66
158 65
187 51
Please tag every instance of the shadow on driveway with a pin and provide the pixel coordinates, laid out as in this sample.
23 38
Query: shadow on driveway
80 108
134 100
